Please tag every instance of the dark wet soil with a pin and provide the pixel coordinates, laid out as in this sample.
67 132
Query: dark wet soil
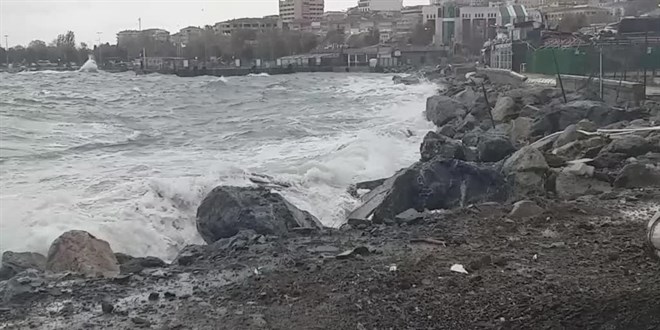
581 265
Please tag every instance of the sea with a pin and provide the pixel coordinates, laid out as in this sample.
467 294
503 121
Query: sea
129 158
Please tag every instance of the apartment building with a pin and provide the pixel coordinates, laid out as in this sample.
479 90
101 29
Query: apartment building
594 15
259 24
410 17
129 36
301 10
380 5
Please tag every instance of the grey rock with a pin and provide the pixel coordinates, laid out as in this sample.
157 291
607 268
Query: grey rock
581 148
521 129
525 209
586 125
447 130
435 145
440 184
22 287
365 185
569 134
638 176
16 262
569 185
504 109
630 145
409 216
131 265
526 159
441 109
471 139
563 115
107 307
227 210
360 250
527 170
409 80
468 123
608 160
79 252
495 148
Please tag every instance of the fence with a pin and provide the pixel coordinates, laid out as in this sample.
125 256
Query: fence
631 61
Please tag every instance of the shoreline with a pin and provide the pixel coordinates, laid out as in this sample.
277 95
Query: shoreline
546 238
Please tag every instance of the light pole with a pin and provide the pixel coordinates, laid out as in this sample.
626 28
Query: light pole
7 49
100 54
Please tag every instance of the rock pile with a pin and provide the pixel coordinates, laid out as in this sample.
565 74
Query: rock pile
517 143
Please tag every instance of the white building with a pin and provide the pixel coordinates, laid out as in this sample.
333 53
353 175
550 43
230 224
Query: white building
380 5
187 34
301 10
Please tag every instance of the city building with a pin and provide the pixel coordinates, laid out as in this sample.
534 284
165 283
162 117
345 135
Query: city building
131 36
444 17
187 34
410 17
127 36
157 34
258 24
476 25
301 10
566 3
531 4
380 5
593 15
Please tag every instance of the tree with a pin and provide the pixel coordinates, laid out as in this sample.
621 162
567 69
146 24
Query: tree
66 46
572 23
364 39
334 37
422 35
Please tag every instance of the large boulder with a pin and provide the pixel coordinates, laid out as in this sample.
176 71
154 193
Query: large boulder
16 262
533 95
226 210
630 145
79 252
437 184
521 130
442 109
569 135
638 176
493 148
504 109
563 115
435 144
471 139
528 169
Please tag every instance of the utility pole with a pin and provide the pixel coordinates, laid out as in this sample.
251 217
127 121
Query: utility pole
7 49
646 53
140 24
602 97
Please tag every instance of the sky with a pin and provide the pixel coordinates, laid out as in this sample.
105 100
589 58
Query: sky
91 20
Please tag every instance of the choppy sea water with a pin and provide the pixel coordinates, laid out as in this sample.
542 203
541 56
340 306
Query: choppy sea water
129 158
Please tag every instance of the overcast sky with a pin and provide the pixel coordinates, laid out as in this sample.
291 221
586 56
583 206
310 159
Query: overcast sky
26 20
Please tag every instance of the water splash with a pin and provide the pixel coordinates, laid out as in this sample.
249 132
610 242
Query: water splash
90 65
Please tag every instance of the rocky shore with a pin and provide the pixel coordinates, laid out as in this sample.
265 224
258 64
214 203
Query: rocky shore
527 210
